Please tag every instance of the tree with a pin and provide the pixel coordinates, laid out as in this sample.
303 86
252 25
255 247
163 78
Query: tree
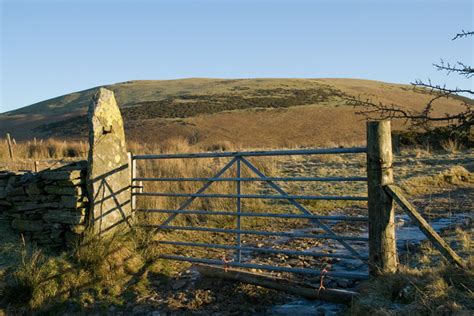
458 123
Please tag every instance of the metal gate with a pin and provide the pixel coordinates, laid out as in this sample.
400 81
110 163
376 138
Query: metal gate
239 161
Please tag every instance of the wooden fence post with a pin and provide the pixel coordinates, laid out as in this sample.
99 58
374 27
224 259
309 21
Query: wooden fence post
10 147
382 242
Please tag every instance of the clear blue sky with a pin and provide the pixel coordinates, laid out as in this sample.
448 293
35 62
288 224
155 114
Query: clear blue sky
50 48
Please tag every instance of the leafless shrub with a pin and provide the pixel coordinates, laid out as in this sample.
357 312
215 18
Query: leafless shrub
451 145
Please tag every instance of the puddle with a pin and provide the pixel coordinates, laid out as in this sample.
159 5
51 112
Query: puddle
406 233
305 307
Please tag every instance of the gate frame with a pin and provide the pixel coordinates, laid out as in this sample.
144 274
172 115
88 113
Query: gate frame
381 226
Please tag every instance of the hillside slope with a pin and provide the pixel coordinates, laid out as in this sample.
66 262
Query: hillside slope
249 112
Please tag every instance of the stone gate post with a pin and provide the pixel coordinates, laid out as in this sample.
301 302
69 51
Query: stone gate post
108 173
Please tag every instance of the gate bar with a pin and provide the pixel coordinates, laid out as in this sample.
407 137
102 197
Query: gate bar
202 189
255 249
302 179
239 209
346 275
324 151
300 207
246 214
256 232
257 196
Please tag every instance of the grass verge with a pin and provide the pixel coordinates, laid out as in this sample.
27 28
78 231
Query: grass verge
431 286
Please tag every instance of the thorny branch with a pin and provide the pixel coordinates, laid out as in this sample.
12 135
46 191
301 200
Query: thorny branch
462 34
461 120
459 68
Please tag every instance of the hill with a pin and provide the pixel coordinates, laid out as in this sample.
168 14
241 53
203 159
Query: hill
247 112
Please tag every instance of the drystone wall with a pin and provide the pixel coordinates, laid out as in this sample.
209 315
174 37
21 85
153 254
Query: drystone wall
47 208
56 207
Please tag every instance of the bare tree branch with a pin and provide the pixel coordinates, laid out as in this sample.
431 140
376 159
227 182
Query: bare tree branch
462 120
459 68
373 110
441 89
462 34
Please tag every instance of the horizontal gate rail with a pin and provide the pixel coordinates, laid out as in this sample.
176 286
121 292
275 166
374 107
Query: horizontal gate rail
256 249
300 207
346 275
277 179
354 150
247 214
325 230
256 196
256 232
202 189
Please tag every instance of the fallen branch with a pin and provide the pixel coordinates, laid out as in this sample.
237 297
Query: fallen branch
268 281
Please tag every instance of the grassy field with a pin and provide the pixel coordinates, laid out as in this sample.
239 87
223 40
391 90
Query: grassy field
124 274
245 112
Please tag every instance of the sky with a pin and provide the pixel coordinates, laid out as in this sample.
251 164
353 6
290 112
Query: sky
51 48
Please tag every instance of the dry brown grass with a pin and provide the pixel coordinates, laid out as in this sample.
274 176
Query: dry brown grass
96 273
43 149
433 287
451 145
194 168
298 125
293 127
454 176
111 273
41 154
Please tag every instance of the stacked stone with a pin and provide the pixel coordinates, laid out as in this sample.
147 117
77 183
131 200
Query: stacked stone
4 204
48 208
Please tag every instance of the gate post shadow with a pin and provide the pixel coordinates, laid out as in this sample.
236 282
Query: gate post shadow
110 205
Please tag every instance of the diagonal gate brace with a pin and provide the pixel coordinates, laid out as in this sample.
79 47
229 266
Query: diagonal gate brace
202 189
301 208
443 247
